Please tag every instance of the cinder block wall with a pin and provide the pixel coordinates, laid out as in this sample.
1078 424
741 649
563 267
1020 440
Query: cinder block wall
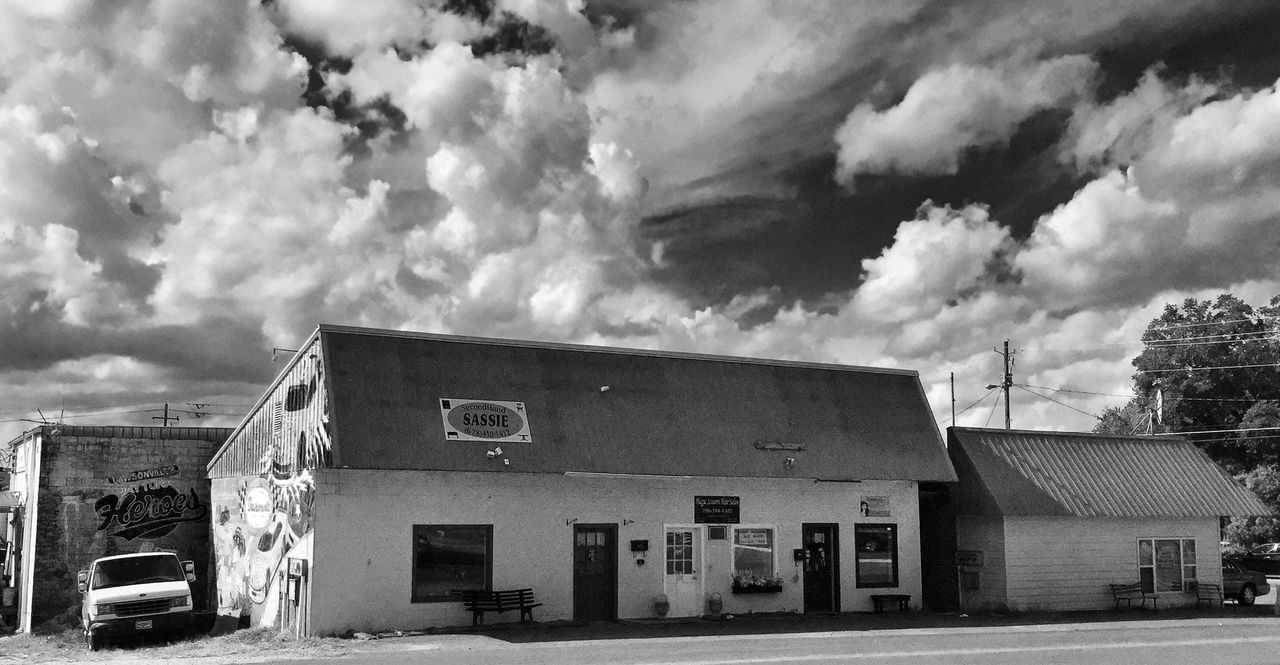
115 490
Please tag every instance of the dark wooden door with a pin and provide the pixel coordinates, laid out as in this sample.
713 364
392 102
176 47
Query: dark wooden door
595 572
821 567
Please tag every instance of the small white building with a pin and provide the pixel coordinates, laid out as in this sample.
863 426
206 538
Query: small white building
1046 520
384 471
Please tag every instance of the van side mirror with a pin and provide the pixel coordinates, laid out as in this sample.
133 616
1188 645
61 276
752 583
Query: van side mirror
82 581
189 567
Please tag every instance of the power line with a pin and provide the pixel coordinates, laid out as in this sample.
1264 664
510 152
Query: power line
1174 343
157 405
1257 319
1236 438
975 403
84 415
993 411
1200 369
1220 431
1161 344
1239 333
1067 390
123 410
1167 397
1092 415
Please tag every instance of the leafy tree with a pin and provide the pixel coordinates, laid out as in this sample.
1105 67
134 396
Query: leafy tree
1124 420
1244 532
1184 347
1213 366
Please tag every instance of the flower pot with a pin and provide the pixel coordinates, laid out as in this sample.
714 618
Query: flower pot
714 603
661 605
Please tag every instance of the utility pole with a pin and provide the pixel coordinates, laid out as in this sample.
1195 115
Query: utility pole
166 417
1007 383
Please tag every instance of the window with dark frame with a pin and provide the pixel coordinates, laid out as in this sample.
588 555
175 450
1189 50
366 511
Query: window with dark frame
876 557
448 558
753 553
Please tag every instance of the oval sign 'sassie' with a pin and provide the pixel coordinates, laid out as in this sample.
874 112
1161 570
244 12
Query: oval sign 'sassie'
486 420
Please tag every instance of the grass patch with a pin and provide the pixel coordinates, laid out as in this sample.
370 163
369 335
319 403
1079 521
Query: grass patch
255 644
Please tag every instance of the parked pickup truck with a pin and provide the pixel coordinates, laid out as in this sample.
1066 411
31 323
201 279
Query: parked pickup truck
132 594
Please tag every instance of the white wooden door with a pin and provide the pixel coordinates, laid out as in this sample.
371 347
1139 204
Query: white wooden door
683 579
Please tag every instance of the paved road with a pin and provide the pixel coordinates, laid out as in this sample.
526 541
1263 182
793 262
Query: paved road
1215 641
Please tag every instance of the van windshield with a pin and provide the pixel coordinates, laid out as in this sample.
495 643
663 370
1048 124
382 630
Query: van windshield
137 570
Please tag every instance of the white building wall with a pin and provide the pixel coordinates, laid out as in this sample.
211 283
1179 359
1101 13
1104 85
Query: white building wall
364 519
26 480
1065 563
985 535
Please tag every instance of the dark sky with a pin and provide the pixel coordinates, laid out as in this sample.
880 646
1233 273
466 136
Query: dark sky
811 244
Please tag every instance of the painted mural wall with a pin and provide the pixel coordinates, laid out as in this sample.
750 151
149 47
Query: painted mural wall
263 492
116 490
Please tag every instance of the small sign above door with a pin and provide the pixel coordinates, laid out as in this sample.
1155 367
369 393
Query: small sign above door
715 509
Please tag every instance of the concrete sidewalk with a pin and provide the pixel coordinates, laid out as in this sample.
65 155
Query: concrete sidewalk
763 624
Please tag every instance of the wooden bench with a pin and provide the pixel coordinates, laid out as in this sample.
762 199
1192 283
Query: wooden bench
879 599
1130 593
479 602
1206 591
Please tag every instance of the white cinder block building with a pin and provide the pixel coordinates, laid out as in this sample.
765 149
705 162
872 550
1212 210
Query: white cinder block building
1046 520
383 472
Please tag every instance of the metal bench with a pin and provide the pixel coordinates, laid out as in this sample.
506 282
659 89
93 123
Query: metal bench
1210 592
479 602
902 599
1130 593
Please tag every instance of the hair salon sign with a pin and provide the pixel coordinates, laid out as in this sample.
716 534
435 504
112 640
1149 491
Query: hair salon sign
484 420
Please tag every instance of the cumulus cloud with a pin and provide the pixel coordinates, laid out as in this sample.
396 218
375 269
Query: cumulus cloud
348 28
1105 136
934 261
949 110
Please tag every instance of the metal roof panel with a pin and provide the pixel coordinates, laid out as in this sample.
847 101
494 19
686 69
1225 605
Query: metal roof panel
1093 475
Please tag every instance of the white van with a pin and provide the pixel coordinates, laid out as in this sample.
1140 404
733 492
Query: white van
132 594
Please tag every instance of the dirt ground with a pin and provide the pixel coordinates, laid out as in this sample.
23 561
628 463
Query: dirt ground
246 646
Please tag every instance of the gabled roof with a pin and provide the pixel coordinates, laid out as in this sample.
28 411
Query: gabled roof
1026 473
622 411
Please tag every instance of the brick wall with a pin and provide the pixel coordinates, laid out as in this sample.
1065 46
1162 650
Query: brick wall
107 491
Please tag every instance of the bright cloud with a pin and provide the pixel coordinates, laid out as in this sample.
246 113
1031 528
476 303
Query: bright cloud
949 110
171 206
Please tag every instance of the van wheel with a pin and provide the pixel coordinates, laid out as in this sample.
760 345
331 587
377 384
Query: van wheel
1247 595
94 643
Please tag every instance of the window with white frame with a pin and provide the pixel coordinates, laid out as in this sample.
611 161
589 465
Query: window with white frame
680 552
1166 564
753 553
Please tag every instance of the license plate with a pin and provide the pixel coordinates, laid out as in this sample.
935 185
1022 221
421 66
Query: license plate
143 624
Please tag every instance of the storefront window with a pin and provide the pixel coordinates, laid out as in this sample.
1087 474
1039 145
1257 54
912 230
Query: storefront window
753 553
877 555
451 557
1166 564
